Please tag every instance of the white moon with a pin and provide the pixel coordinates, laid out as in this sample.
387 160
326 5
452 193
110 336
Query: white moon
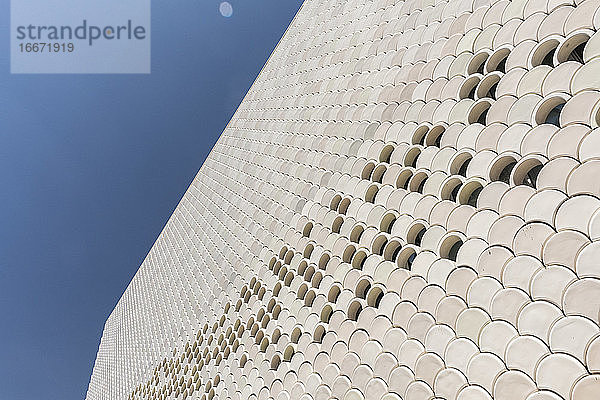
226 9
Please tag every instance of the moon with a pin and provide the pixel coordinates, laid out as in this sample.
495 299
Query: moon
226 9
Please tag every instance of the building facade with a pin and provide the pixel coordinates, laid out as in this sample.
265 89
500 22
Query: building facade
406 205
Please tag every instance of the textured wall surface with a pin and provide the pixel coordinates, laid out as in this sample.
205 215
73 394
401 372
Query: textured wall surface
406 205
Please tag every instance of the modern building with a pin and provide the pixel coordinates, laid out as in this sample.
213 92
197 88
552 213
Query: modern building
406 205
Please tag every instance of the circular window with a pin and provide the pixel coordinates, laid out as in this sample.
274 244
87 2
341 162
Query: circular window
343 207
417 182
367 170
386 153
319 333
276 335
497 60
302 291
358 261
282 273
308 250
572 48
371 193
277 267
412 155
354 310
477 63
415 234
282 252
362 287
469 87
478 111
450 247
290 254
387 222
335 202
379 244
420 134
324 260
378 172
275 362
356 233
548 110
392 249
310 298
337 224
334 293
308 273
501 168
434 136
348 253
404 178
289 353
527 170
544 52
450 188
374 297
326 313
406 257
488 85
460 162
288 278
469 193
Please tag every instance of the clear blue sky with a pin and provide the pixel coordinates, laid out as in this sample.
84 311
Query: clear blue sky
91 168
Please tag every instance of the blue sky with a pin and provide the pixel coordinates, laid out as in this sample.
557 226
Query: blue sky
91 168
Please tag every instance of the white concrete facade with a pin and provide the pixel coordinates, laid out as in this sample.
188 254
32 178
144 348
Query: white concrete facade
406 205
